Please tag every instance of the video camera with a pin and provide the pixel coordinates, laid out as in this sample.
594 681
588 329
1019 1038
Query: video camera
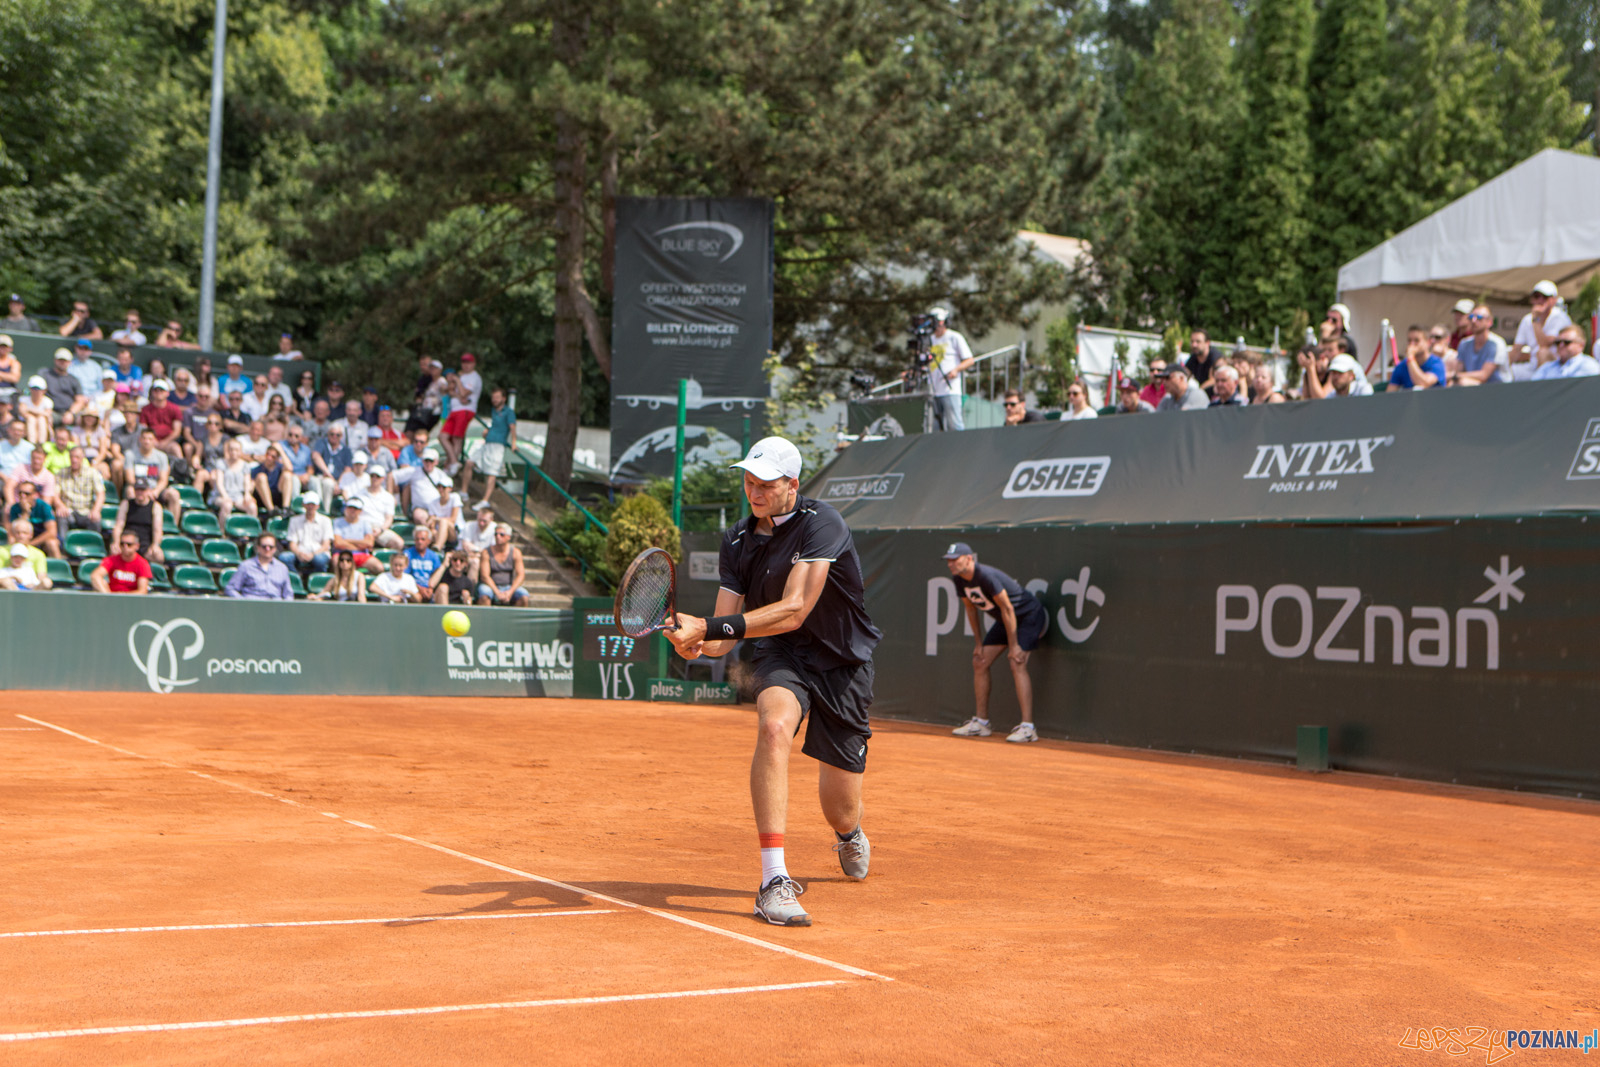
919 346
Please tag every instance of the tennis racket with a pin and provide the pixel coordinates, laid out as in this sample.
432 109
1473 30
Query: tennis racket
647 596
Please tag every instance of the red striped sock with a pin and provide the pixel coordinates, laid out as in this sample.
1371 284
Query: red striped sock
772 858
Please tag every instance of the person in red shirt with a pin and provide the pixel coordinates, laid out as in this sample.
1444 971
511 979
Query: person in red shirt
124 572
164 418
385 433
1152 393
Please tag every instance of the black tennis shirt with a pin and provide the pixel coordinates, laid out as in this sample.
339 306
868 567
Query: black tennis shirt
987 583
838 632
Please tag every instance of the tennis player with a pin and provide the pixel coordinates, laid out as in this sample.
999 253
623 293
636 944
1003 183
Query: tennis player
1019 621
790 576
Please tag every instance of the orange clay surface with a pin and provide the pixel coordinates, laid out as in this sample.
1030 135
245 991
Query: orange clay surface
1046 903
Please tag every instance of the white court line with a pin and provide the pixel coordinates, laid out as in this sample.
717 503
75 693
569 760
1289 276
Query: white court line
312 922
273 1020
580 890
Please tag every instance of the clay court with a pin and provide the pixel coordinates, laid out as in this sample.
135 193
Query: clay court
261 880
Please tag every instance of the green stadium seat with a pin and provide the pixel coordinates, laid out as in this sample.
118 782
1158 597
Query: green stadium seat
404 529
190 497
158 577
201 523
278 527
85 544
318 582
85 569
59 571
294 505
383 555
179 550
192 579
296 584
222 579
108 517
219 552
5 538
112 496
242 527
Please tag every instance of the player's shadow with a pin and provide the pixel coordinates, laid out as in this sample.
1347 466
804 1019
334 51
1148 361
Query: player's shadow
673 896
539 896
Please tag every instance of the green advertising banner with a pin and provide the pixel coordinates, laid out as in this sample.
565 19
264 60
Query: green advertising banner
171 644
1461 652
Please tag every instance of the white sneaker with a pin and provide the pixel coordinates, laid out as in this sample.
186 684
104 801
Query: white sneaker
1023 733
777 903
973 727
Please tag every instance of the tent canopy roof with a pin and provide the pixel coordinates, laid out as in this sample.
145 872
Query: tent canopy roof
1538 220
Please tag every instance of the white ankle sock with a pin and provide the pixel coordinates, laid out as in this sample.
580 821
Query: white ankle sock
772 865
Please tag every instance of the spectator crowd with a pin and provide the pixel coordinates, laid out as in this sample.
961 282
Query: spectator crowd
1467 353
322 487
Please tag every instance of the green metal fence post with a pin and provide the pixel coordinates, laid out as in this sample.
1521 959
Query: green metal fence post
677 459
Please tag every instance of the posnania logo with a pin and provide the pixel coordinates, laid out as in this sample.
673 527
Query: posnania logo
160 657
1315 466
1066 476
705 246
1287 617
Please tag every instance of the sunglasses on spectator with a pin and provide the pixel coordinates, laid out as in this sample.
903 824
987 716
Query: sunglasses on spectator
130 544
1013 403
1565 341
1475 317
1437 336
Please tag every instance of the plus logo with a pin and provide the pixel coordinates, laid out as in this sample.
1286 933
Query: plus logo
1079 590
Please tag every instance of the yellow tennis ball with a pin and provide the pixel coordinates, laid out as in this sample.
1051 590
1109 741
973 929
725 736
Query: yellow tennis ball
456 623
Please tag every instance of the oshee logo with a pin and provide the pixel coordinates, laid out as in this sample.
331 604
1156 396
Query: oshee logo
159 655
1586 464
866 487
1287 618
1067 476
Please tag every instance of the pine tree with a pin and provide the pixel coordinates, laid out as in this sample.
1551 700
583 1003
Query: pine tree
1350 129
1272 178
1448 136
1536 110
1184 110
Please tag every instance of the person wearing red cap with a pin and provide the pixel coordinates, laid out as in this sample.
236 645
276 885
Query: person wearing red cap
463 409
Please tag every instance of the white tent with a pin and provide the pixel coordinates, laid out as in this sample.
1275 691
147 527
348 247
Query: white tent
1540 219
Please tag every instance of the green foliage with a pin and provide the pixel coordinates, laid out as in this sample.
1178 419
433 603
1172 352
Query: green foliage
1351 135
1059 367
638 523
1585 304
710 494
571 536
797 408
1269 228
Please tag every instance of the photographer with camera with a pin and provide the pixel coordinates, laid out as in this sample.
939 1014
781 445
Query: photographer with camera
947 355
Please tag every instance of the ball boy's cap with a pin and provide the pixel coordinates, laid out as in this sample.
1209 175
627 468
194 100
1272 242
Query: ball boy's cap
771 458
957 550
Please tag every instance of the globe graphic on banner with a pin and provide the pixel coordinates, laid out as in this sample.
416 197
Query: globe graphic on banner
701 444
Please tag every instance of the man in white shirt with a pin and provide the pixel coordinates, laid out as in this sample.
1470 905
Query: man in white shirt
951 356
256 400
1345 378
353 481
443 514
310 537
395 585
286 348
255 443
130 333
276 384
355 428
1536 332
478 534
377 507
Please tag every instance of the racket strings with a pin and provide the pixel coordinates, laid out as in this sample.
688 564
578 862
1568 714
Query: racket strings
643 600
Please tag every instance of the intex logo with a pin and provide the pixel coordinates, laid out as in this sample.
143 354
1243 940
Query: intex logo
459 652
1319 459
866 487
1067 476
730 236
161 656
1287 632
1586 464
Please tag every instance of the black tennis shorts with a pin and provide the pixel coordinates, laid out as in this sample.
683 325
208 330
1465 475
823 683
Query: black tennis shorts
1030 628
837 701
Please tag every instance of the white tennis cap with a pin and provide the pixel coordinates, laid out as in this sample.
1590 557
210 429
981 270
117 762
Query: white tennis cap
772 458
